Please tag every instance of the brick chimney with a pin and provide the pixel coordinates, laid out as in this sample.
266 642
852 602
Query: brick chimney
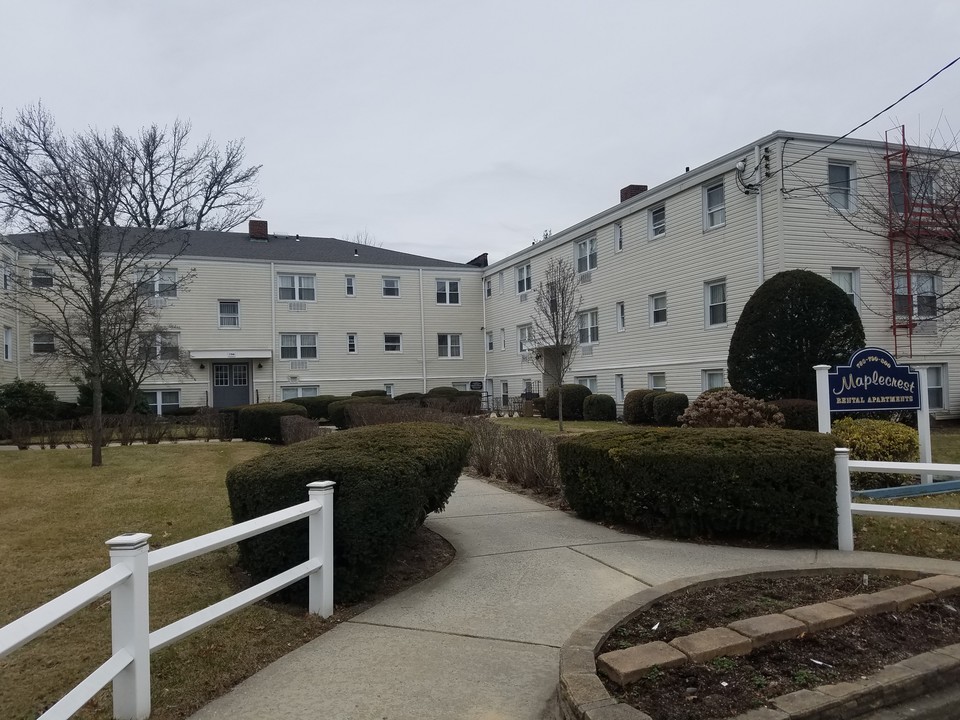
258 230
631 191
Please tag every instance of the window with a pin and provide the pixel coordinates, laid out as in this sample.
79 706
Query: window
490 341
298 346
488 287
657 381
239 375
658 221
162 401
524 336
618 236
935 394
448 346
589 327
921 184
619 390
6 280
350 287
8 343
714 209
229 313
589 381
503 339
711 379
587 255
41 277
448 292
392 342
658 309
43 342
621 317
461 386
848 280
505 393
840 179
388 389
715 297
524 278
296 287
923 289
288 393
501 282
351 342
161 346
158 283
391 287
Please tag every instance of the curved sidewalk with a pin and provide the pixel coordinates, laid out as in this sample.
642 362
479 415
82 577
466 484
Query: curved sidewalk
480 640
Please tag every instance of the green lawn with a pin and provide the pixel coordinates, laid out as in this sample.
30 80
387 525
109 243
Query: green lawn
550 427
56 514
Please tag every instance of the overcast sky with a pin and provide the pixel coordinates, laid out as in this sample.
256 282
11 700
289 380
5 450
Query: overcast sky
450 128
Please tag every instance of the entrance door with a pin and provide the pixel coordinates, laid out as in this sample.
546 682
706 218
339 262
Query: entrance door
231 384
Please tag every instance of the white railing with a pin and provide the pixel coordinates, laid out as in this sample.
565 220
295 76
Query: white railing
846 508
127 581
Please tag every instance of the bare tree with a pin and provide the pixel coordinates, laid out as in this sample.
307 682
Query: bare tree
102 216
363 237
554 335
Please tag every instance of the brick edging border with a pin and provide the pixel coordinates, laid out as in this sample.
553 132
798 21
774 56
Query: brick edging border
582 696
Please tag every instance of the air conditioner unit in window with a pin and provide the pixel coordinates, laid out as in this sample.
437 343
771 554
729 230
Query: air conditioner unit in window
523 297
297 306
525 357
585 277
156 302
586 351
298 364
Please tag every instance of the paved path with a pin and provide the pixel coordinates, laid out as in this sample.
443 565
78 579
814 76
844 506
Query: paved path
480 640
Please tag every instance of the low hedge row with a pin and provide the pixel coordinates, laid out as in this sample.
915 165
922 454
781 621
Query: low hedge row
389 477
338 411
573 397
262 421
775 485
318 406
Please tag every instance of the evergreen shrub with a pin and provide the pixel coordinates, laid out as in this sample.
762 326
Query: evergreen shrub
879 440
262 422
573 396
633 407
444 391
646 403
772 485
316 406
28 400
599 407
668 407
369 393
798 414
389 477
338 411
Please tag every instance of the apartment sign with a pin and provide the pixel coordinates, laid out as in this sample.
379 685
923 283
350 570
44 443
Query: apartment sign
873 380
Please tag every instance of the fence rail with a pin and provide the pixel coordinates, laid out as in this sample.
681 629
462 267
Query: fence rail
846 508
127 581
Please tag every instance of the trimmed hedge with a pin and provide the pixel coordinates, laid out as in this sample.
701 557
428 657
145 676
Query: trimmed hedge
798 414
599 407
262 422
369 393
573 396
879 440
317 407
337 411
389 477
668 407
444 391
774 485
633 407
646 402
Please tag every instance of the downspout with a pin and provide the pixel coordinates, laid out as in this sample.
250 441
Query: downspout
423 336
273 330
483 330
16 290
757 158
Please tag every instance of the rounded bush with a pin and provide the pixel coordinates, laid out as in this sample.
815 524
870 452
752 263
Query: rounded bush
540 405
668 407
389 477
262 422
573 397
369 393
798 414
412 398
316 406
879 440
338 411
769 484
646 403
28 400
444 391
633 407
599 407
726 408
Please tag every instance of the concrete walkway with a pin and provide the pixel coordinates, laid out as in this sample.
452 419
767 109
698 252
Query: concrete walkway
480 640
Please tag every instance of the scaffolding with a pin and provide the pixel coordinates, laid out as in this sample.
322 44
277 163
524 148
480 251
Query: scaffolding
900 213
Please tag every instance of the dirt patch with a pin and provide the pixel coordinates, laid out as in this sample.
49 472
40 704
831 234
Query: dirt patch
725 687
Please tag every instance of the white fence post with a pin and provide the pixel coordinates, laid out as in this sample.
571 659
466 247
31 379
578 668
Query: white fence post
923 422
320 544
823 398
844 512
130 621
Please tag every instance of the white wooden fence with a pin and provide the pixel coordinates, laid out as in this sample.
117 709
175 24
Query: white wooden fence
127 581
846 508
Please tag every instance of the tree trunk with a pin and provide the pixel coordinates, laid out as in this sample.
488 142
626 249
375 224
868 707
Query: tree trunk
96 420
560 404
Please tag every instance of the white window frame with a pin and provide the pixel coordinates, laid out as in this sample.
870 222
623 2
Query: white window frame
930 283
853 274
587 254
657 228
6 283
588 381
489 341
41 276
589 320
158 283
505 392
303 287
619 388
708 303
351 343
501 282
450 346
158 404
350 286
461 386
448 289
618 236
714 216
8 344
841 198
524 336
302 347
653 309
488 287
388 388
398 343
654 377
708 378
940 389
222 316
390 286
298 391
621 314
35 339
154 345
503 338
524 278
